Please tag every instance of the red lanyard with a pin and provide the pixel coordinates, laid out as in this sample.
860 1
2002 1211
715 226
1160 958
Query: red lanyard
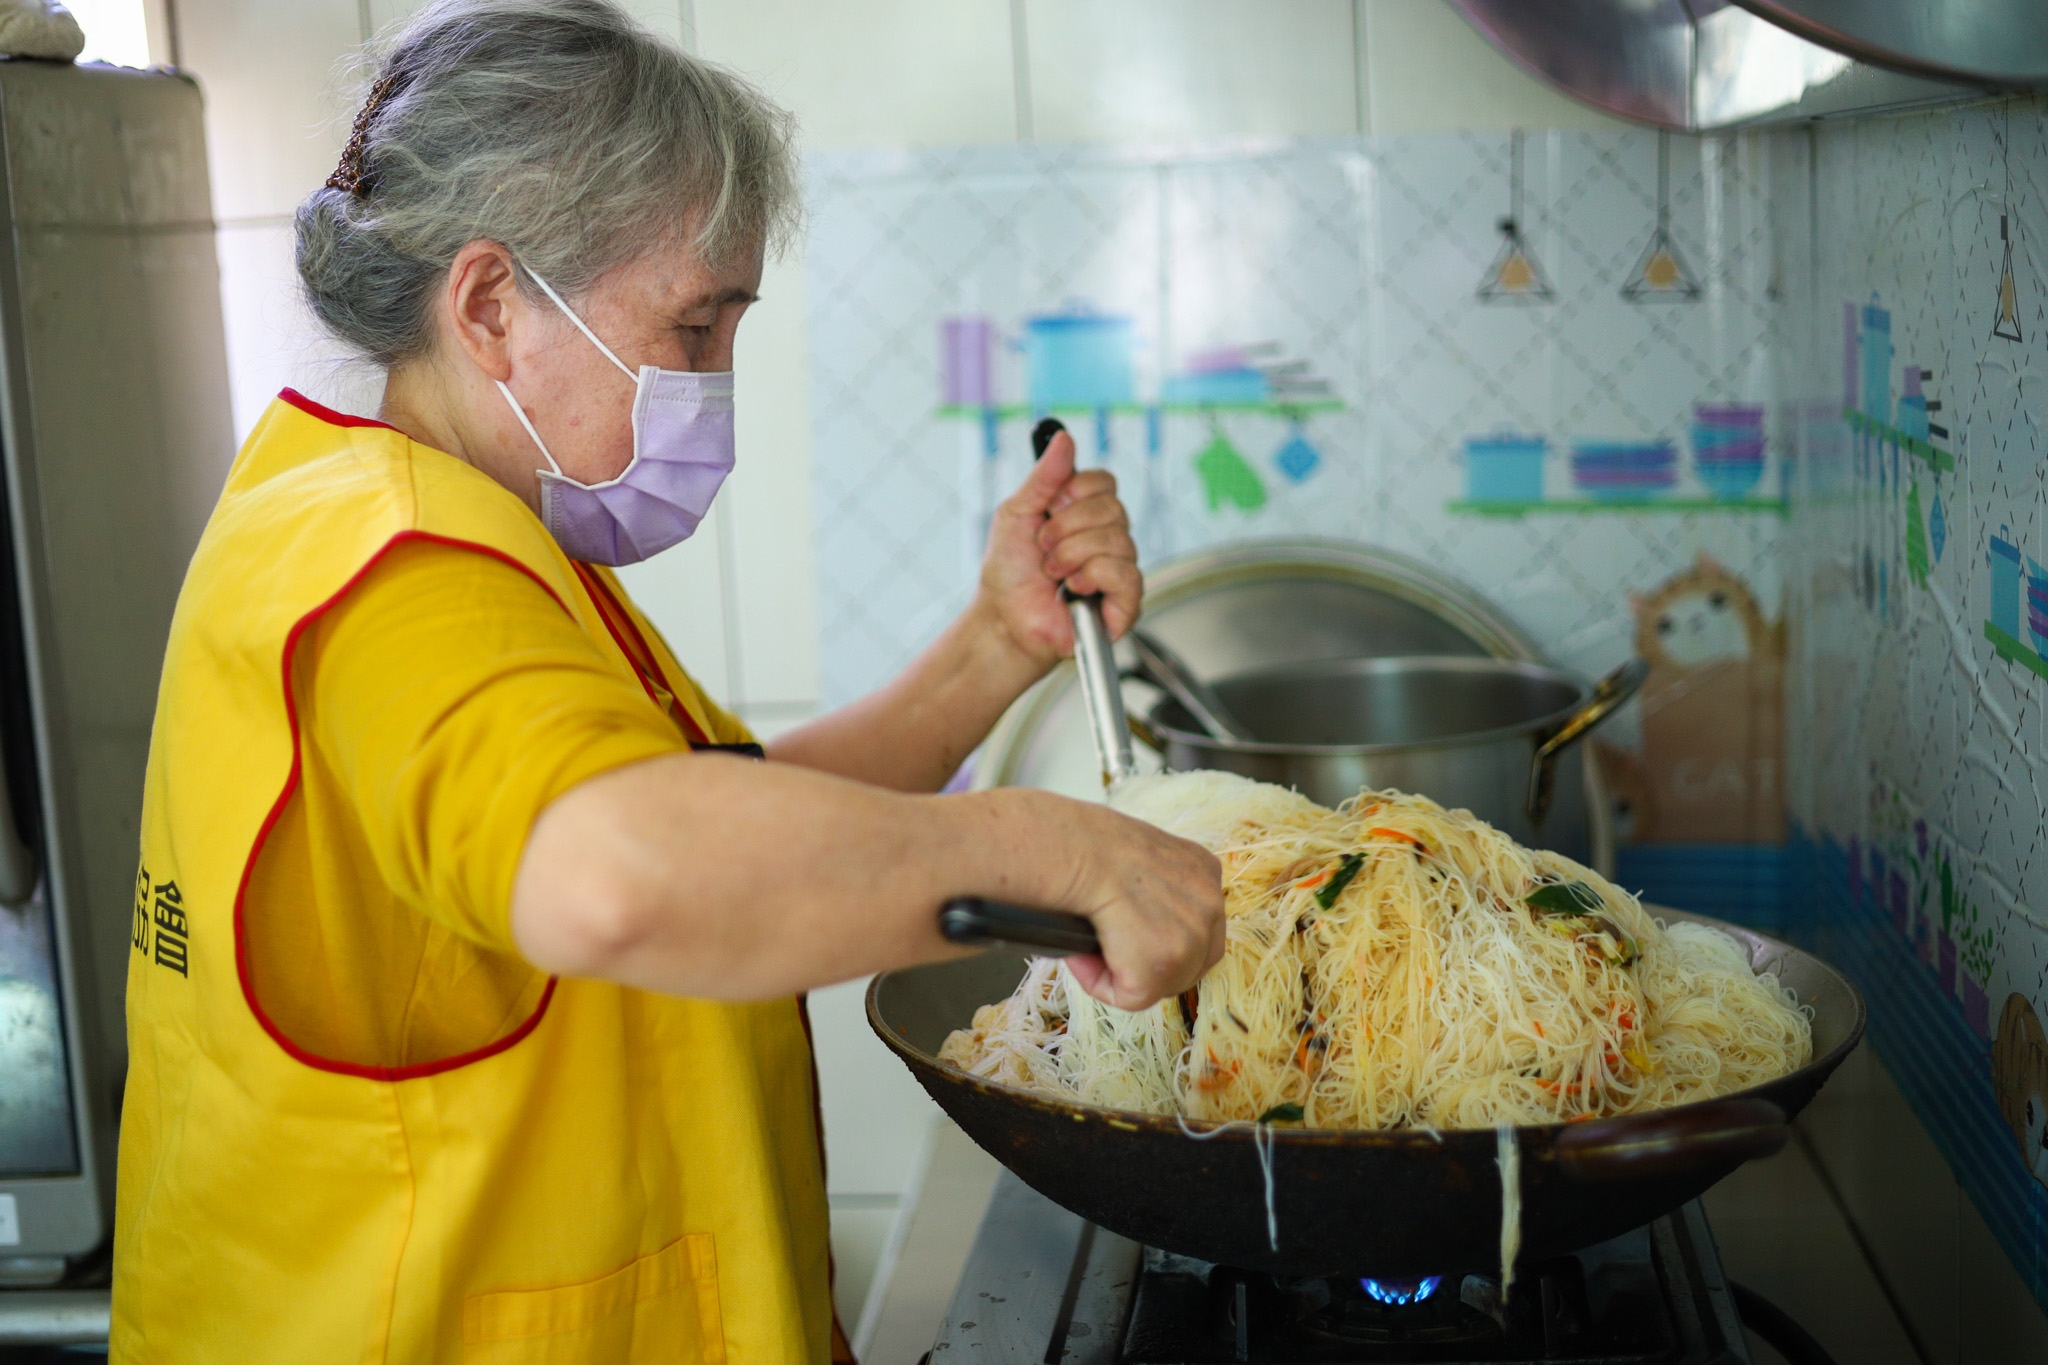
619 622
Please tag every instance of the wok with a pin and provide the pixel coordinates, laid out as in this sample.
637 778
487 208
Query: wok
1394 1203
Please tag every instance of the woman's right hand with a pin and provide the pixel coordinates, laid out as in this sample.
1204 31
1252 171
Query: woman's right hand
1156 902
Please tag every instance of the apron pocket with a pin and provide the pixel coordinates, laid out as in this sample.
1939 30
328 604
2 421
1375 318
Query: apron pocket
662 1307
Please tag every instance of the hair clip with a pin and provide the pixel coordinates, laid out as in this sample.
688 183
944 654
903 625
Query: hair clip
348 176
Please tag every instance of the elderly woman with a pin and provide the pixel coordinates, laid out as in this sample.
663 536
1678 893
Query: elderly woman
487 1042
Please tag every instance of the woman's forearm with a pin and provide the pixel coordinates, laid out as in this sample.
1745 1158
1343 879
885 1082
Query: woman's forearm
704 875
713 876
912 734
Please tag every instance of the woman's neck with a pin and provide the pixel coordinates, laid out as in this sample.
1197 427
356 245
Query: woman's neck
422 401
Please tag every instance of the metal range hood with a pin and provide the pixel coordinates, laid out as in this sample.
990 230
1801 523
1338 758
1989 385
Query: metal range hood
1700 65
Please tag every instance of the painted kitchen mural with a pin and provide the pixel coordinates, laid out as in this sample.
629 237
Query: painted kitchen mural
1917 613
1541 361
1763 410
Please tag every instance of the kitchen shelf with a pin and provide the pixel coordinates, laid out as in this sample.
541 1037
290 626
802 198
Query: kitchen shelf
1940 461
1522 509
1006 411
2013 651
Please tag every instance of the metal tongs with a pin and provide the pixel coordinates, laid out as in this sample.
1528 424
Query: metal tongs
979 921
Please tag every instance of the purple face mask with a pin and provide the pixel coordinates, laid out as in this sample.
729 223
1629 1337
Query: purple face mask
682 451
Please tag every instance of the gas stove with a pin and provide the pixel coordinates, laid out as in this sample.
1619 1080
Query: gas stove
1042 1285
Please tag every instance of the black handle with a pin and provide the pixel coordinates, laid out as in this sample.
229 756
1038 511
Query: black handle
979 923
1042 434
1715 1133
1041 438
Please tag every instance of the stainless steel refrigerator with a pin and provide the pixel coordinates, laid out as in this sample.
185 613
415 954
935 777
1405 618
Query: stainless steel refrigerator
115 436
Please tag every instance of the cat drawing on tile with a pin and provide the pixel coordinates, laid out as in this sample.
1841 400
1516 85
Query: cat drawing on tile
1702 615
1707 770
2019 1074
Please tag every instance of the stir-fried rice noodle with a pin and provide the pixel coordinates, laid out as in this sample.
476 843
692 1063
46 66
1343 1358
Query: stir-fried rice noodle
1507 1154
1393 964
1427 991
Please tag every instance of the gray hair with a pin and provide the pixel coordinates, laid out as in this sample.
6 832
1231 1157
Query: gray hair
559 129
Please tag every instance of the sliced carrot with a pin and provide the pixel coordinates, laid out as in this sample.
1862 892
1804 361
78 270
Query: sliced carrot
1383 832
1218 1075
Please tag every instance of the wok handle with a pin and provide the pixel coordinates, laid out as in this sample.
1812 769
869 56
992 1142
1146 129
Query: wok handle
1610 694
980 923
1716 1133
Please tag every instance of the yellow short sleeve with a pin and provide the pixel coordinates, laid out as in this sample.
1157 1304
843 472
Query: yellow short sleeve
448 699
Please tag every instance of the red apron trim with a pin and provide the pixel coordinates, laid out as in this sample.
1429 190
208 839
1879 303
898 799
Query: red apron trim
327 414
291 785
645 662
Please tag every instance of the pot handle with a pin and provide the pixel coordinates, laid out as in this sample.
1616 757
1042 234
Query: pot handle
1609 695
1716 1133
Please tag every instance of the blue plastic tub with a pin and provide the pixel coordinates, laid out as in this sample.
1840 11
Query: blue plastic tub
1504 468
1078 360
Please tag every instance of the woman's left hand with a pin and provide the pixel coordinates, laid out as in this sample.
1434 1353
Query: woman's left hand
1061 525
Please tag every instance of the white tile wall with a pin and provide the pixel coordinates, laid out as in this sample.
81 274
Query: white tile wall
275 115
1362 256
772 605
1426 70
1178 68
1904 712
880 73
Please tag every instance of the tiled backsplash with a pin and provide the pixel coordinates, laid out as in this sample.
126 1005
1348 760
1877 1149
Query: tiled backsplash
1915 325
1363 258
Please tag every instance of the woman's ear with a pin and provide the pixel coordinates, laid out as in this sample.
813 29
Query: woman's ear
482 306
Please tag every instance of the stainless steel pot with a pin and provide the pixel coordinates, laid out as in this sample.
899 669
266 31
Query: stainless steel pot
1478 733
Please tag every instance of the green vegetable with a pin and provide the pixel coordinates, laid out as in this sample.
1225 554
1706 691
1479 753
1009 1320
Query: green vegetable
1282 1113
1566 905
1327 893
1563 898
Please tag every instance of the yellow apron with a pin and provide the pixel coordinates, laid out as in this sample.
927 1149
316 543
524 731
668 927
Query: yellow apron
620 1176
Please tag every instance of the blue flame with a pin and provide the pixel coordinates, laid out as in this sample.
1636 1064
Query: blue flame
1402 1291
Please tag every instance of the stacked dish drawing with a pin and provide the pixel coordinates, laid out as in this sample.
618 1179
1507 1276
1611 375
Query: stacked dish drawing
1728 447
1624 471
1504 467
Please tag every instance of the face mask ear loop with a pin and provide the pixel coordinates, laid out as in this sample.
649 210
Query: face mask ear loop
570 314
520 413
